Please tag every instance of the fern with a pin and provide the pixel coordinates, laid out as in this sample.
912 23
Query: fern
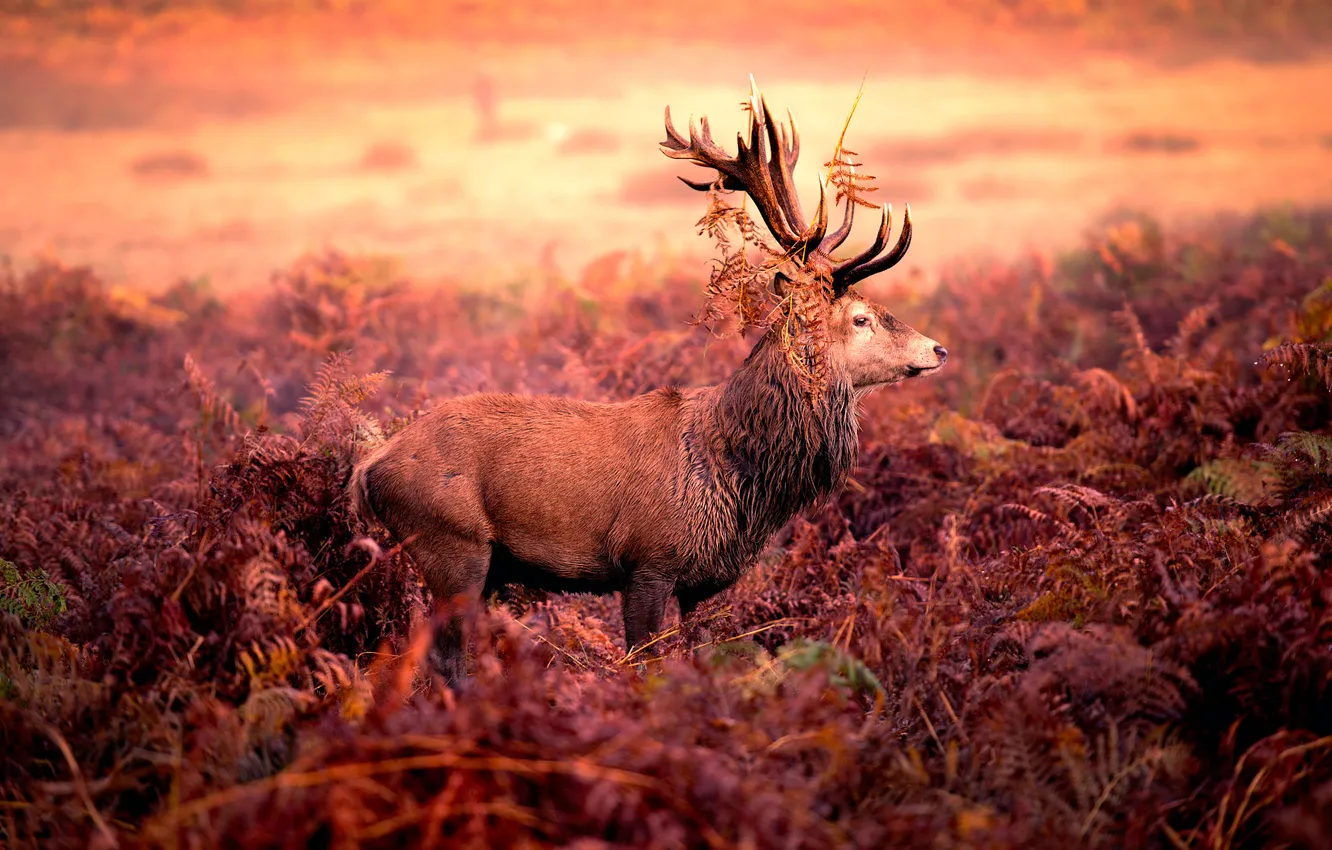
34 598
1138 355
1312 512
45 670
850 184
1313 323
1317 448
267 711
329 406
274 662
1109 392
1119 768
844 671
842 172
1039 517
212 405
747 292
266 590
1046 627
1302 358
1191 328
1248 482
1072 497
736 286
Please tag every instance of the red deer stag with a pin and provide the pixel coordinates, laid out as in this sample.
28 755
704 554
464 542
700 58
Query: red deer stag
672 493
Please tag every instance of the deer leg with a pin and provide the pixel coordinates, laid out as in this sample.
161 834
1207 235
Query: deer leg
644 607
454 569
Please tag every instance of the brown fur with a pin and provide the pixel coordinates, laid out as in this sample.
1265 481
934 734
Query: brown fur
672 493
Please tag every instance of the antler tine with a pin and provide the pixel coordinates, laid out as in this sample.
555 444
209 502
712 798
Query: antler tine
674 140
780 168
729 182
813 235
704 143
773 184
880 240
834 240
779 174
854 270
676 147
747 172
794 153
842 270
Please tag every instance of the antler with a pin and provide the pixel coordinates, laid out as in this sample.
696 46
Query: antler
767 181
868 262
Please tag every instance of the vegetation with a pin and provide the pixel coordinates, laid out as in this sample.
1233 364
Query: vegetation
1076 593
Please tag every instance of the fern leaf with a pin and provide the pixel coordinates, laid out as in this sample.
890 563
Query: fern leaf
1316 447
1249 482
1138 355
211 404
1302 358
1038 516
1314 512
1191 328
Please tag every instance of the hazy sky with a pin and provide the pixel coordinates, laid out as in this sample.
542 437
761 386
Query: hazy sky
493 142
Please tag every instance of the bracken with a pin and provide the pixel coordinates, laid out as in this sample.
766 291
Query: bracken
1074 594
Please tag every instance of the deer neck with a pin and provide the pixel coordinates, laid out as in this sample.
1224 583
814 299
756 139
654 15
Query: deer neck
769 449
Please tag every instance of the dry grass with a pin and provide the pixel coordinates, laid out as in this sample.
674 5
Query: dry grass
1076 594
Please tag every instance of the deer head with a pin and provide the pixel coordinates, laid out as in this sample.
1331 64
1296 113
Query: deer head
866 345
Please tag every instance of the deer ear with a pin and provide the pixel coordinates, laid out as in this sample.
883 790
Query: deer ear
779 281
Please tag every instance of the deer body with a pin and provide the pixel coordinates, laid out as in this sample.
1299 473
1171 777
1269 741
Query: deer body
672 493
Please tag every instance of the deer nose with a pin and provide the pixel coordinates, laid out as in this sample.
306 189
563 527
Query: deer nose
942 352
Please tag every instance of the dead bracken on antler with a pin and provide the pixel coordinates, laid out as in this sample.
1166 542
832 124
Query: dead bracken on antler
767 179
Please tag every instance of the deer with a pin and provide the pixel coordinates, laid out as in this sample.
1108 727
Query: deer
673 493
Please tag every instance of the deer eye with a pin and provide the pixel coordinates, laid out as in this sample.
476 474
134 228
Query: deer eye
861 321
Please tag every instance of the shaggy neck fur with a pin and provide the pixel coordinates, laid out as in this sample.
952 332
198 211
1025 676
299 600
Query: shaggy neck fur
763 453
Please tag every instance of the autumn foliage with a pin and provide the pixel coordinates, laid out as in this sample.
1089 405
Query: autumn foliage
1075 593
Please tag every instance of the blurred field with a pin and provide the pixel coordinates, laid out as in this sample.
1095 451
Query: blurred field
201 144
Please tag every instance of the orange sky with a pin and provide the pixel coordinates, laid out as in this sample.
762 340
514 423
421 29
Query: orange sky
228 150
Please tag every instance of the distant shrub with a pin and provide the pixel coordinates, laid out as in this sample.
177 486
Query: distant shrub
388 156
169 165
